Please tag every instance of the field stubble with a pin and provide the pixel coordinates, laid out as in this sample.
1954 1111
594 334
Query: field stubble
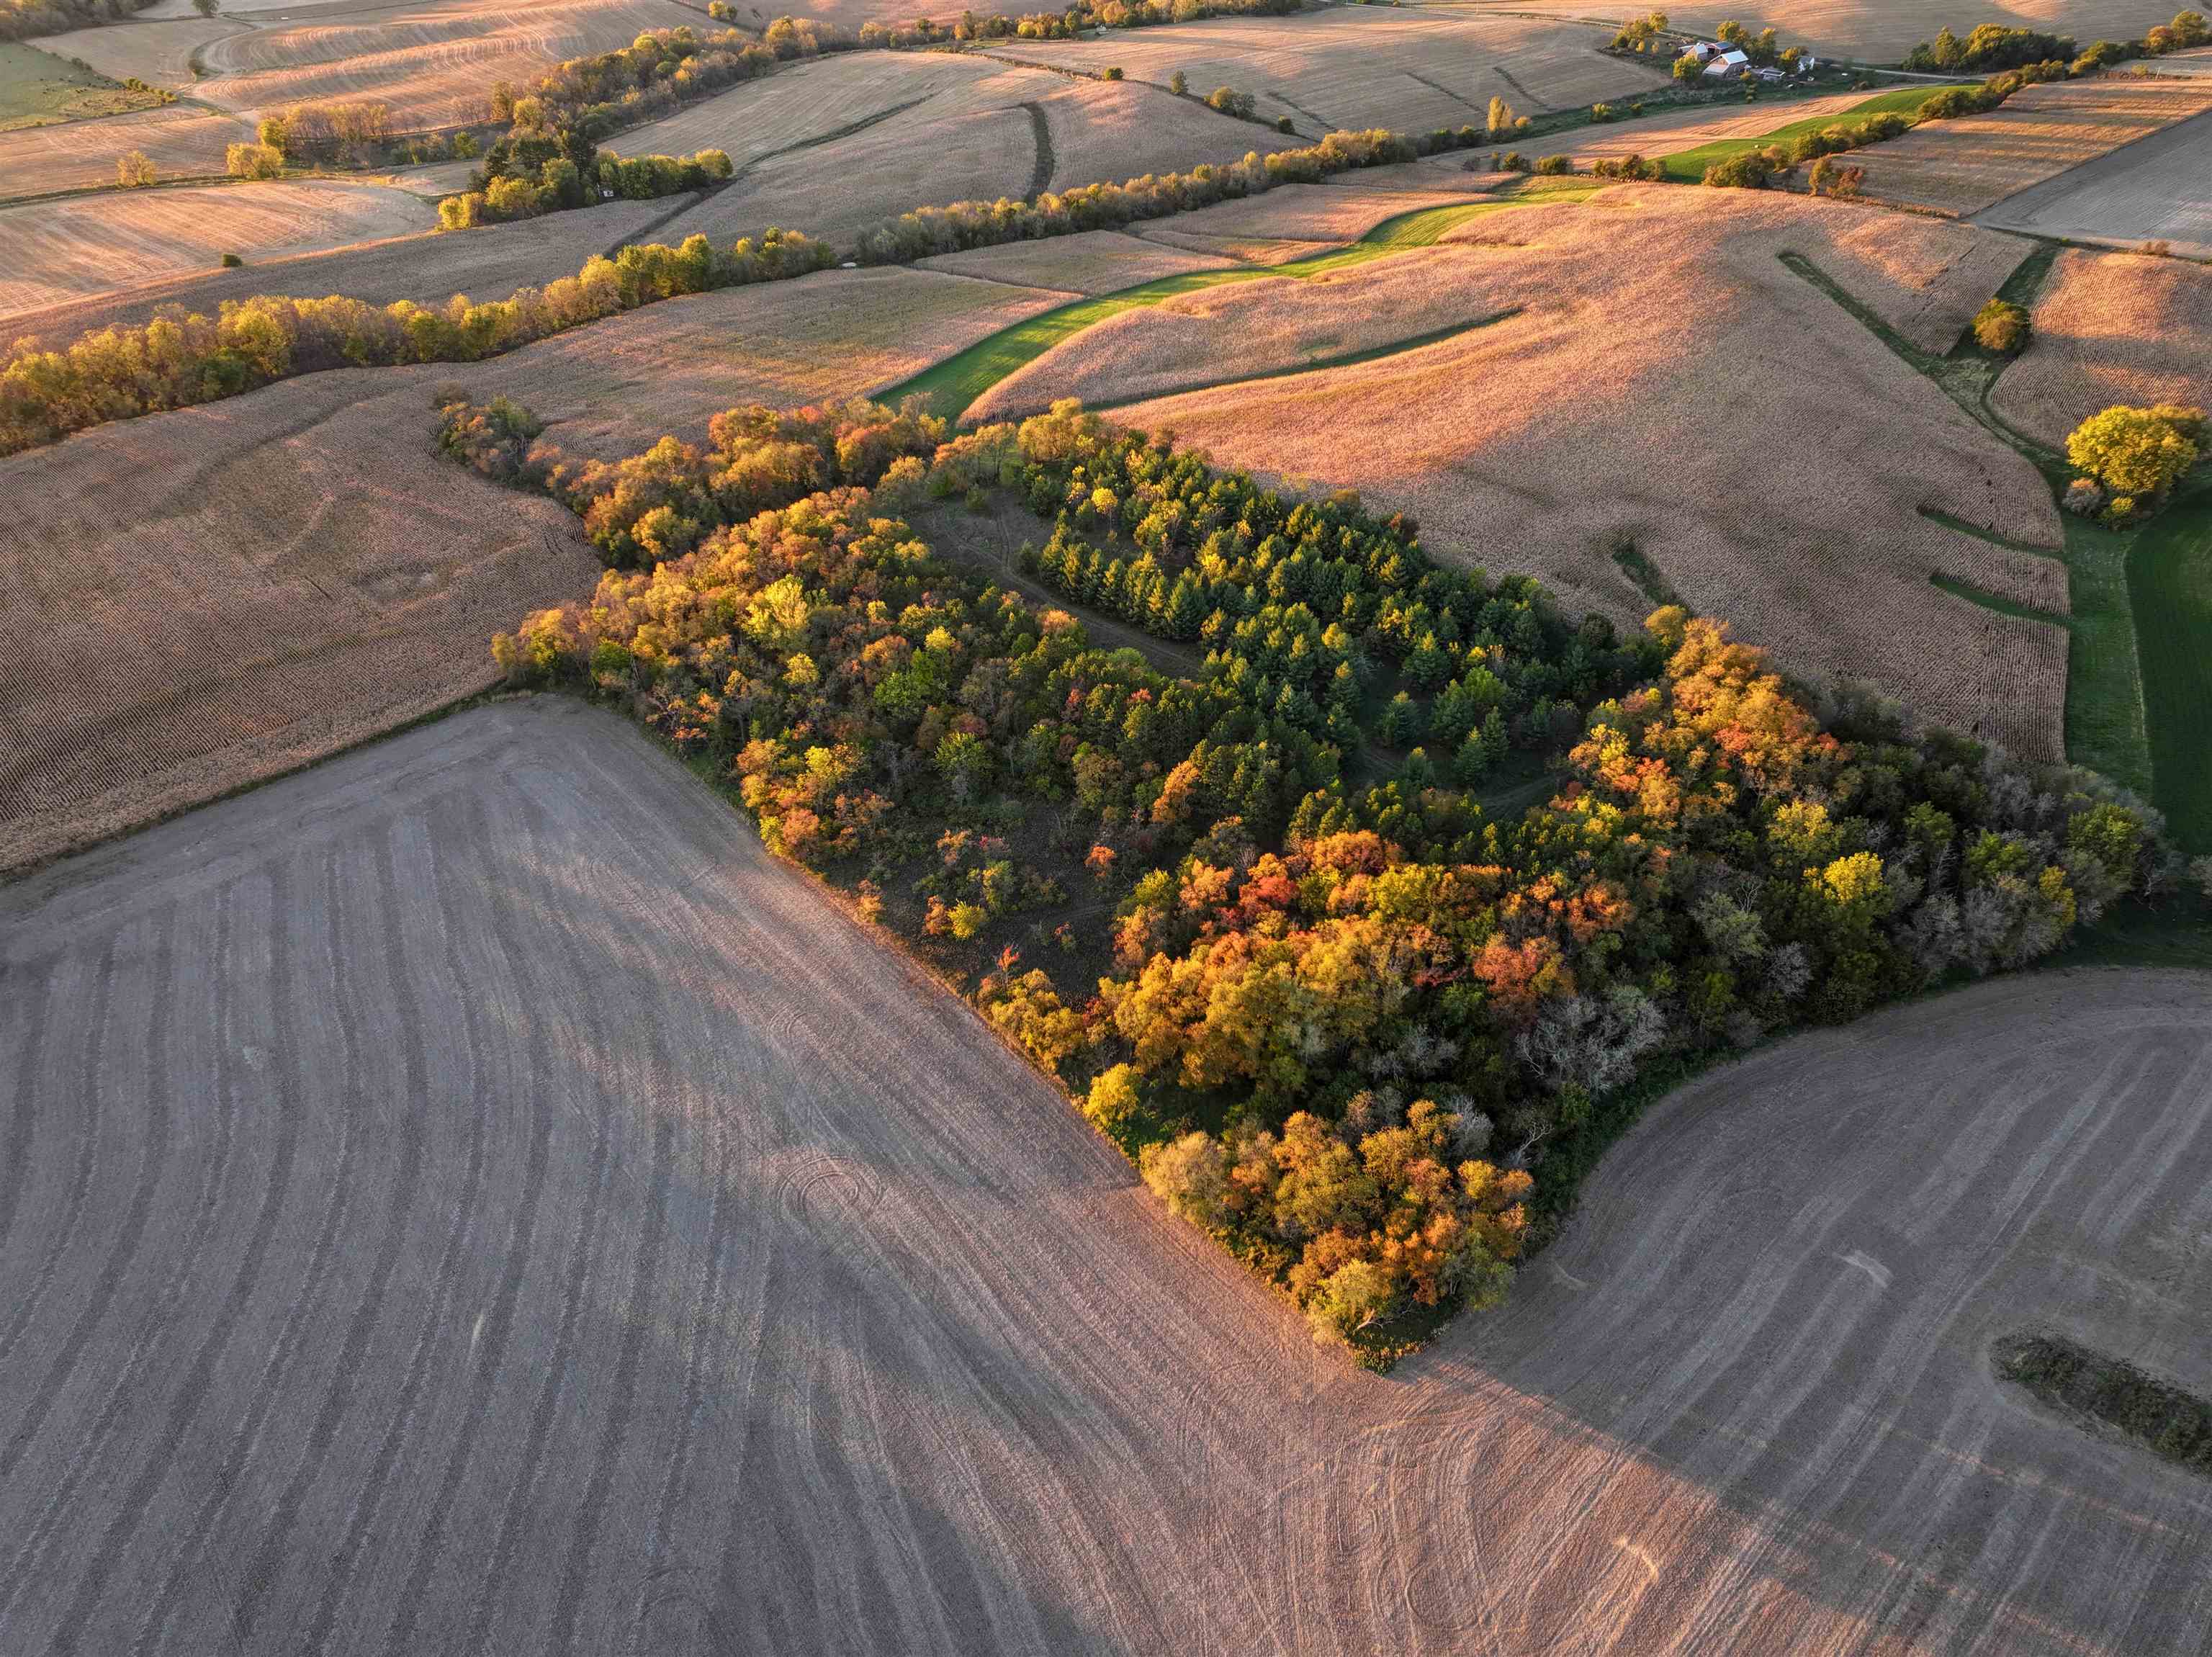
54 252
535 1261
1538 443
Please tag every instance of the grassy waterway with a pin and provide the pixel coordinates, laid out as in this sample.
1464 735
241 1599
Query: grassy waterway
954 384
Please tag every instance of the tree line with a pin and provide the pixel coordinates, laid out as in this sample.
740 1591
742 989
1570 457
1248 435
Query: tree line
179 360
1995 47
1343 1017
21 19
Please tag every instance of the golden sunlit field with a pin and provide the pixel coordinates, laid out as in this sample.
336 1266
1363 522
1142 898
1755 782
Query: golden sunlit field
1244 904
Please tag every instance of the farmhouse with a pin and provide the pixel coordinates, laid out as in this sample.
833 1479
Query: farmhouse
1721 61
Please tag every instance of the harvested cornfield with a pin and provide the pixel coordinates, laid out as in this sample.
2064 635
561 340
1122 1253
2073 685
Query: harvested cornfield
1962 167
804 103
2159 190
181 143
1236 248
1237 332
1311 213
1877 31
489 262
52 253
201 599
1011 133
448 1207
1352 67
1093 262
614 389
1769 455
2110 328
433 62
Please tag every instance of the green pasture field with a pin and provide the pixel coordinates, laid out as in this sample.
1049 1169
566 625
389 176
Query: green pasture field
40 89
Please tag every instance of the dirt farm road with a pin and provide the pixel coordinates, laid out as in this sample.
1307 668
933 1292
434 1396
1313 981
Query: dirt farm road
466 1197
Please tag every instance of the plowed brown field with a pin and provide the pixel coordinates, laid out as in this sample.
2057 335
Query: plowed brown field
1667 378
2110 328
447 1208
2158 190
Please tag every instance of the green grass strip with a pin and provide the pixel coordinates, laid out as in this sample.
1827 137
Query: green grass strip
2170 574
2002 605
2170 1422
954 384
2106 726
1689 166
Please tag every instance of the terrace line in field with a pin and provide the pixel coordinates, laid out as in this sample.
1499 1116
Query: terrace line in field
1491 438
1413 69
535 1263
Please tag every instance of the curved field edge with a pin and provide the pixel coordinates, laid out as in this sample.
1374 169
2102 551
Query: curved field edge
952 386
699 1225
2138 692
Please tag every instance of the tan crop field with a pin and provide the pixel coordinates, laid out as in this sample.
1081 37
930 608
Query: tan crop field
1669 131
488 263
181 143
1246 328
1007 133
1092 262
2110 328
52 253
446 1204
801 103
615 388
288 571
1321 213
1962 167
1869 31
1665 379
2157 190
223 593
1413 69
432 61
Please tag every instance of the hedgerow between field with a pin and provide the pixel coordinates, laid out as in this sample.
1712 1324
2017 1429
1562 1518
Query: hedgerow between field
568 113
1337 1024
117 372
2161 1416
